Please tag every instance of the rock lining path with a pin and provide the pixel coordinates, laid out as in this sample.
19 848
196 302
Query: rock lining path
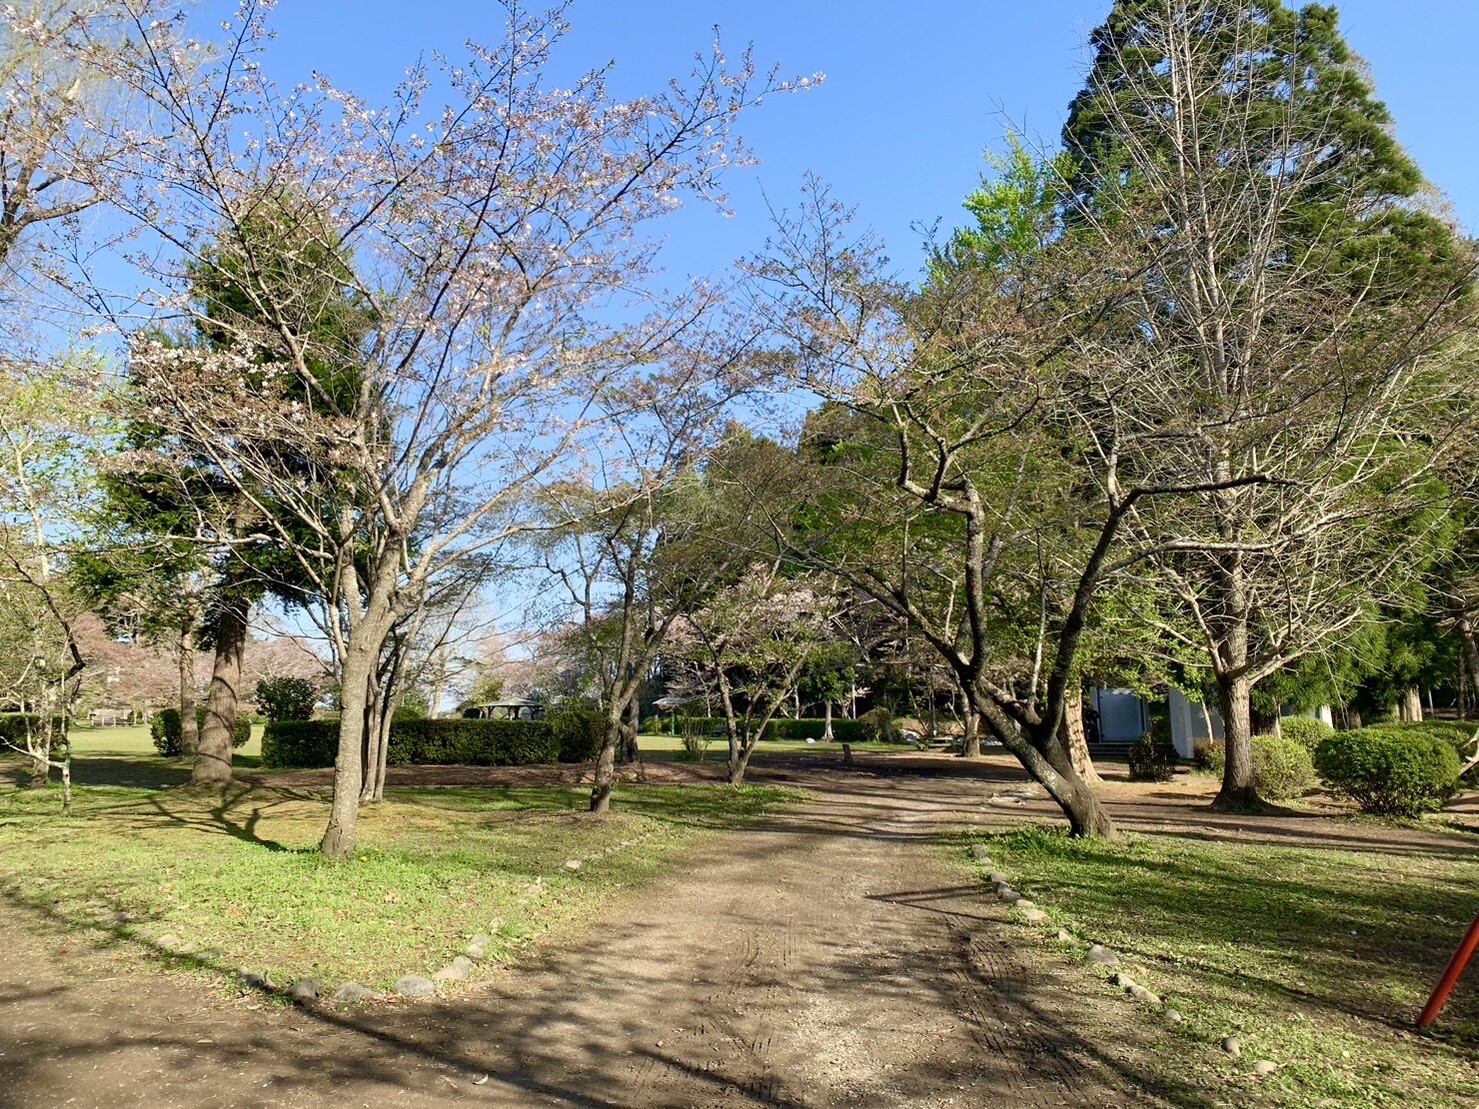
824 958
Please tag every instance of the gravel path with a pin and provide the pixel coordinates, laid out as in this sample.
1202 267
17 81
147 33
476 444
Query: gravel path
825 958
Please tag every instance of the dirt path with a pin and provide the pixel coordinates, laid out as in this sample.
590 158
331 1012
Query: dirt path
824 959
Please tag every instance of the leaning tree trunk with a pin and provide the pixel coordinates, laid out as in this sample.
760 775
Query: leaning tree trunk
605 782
213 759
189 726
1238 791
1071 732
1046 759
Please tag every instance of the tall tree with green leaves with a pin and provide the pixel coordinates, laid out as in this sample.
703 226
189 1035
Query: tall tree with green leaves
1291 301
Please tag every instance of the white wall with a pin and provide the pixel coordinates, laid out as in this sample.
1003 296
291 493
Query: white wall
1189 723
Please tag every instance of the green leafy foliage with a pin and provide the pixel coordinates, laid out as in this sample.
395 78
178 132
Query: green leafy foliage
459 742
1306 730
877 724
1282 767
1388 771
1209 755
287 698
165 730
1153 758
579 732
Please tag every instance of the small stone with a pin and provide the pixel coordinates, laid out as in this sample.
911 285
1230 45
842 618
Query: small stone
1009 895
573 864
980 852
120 918
1102 956
460 970
1024 904
1034 916
1233 1046
413 985
996 878
1144 996
1265 1066
1064 936
169 941
306 989
254 981
482 939
351 993
493 926
1174 1016
477 952
1123 981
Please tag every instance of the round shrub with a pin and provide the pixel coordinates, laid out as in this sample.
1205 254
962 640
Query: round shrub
1153 759
877 724
1305 730
287 698
1389 773
1282 767
1209 754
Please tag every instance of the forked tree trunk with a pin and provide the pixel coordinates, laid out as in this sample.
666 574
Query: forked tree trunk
1046 759
189 726
1074 739
1238 792
213 758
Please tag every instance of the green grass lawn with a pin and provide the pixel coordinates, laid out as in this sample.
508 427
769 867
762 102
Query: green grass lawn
242 876
1319 959
135 740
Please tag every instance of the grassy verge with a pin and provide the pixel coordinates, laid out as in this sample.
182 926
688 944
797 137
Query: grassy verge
1318 959
241 875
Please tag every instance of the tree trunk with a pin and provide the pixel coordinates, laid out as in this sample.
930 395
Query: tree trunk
213 758
189 726
1412 706
1071 732
1469 639
1238 792
359 666
41 747
606 761
633 725
827 731
970 740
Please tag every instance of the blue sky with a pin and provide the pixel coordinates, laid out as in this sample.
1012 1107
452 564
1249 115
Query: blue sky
914 92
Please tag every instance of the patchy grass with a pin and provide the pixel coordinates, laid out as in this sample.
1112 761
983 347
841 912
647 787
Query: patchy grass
241 875
1318 959
719 747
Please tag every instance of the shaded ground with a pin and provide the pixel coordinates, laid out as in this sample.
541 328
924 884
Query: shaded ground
822 959
825 958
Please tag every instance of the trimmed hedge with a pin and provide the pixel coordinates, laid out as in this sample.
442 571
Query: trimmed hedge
1282 767
300 743
14 725
165 730
843 730
1153 759
1390 771
570 736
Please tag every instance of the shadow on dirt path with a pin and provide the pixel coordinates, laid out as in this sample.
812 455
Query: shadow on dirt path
824 958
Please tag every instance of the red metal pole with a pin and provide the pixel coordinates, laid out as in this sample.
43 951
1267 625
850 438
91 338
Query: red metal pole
1450 976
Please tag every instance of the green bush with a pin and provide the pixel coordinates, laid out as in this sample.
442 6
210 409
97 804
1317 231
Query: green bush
1305 730
300 743
164 729
1282 767
1153 759
843 730
578 732
1209 754
15 725
472 743
1390 771
287 698
877 725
